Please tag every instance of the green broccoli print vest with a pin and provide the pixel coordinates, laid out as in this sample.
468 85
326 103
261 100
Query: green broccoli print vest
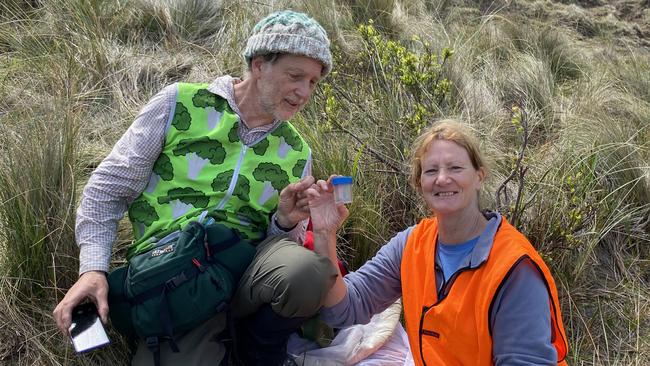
204 168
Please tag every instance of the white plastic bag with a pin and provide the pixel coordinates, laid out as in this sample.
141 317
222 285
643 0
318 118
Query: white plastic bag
395 352
382 341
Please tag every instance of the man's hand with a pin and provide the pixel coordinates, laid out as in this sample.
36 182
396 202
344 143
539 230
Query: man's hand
326 215
294 204
91 285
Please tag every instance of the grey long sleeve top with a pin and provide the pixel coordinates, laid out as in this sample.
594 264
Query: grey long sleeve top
122 176
520 319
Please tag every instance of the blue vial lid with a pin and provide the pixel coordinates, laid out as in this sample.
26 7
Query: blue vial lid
341 180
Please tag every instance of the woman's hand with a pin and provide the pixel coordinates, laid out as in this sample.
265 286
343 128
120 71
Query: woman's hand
326 215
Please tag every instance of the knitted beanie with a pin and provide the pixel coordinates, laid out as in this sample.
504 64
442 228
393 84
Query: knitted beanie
290 32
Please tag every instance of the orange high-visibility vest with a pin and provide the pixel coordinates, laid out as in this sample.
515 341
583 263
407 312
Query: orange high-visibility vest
455 330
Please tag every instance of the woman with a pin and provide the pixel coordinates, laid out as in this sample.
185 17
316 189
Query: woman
475 292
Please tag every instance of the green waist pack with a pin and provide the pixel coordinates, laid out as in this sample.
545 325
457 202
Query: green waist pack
174 287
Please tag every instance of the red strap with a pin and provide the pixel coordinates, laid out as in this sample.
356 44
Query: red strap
309 236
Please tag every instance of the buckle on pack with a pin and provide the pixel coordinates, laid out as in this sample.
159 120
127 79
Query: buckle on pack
176 281
153 344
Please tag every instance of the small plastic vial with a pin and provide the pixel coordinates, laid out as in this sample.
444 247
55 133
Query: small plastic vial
342 189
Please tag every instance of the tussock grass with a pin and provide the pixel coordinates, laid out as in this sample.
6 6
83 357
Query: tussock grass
73 75
29 336
38 198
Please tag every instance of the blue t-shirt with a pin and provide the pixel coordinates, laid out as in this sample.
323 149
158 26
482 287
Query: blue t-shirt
450 256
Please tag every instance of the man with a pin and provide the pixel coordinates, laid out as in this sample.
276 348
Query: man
221 151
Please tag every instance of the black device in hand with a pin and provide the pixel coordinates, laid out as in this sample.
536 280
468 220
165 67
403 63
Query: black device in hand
86 330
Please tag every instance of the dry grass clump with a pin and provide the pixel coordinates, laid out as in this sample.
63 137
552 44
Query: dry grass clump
30 337
570 120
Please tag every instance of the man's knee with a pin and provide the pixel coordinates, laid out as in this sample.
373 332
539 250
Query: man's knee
303 283
289 277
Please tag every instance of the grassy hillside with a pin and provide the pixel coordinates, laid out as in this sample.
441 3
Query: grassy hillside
558 91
